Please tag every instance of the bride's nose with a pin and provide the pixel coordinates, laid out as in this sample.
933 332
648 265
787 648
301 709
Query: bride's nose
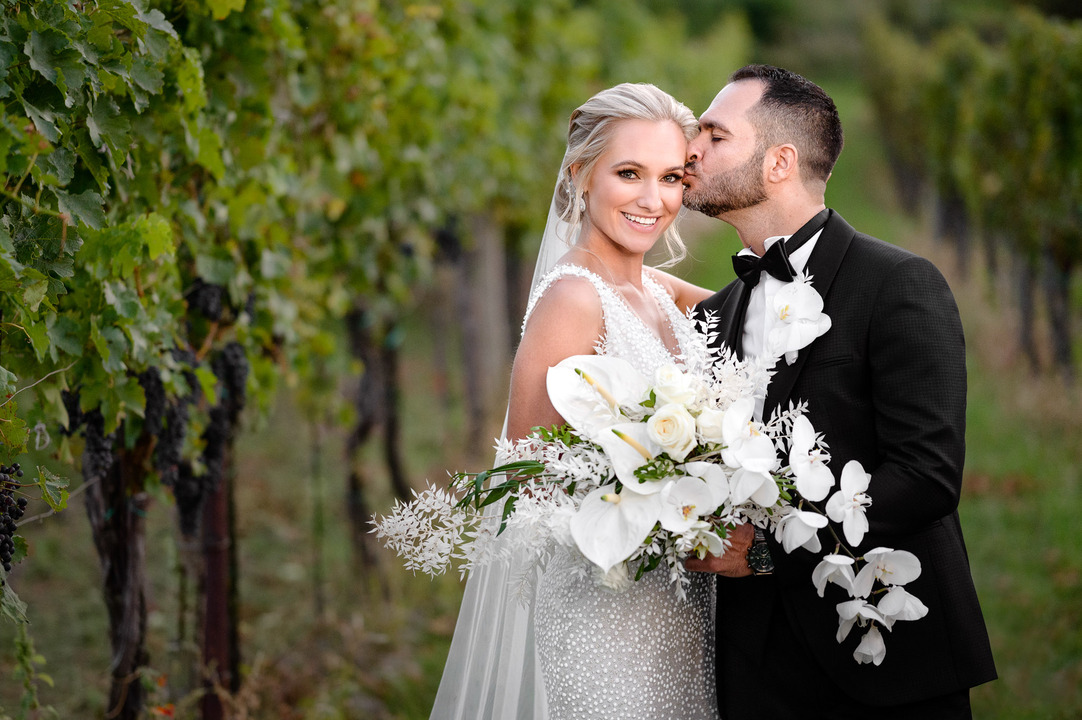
650 197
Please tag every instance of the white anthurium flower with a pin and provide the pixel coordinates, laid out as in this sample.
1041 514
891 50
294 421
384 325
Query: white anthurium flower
899 604
797 312
673 428
871 649
714 477
813 477
798 529
890 567
683 502
588 390
609 527
673 385
759 487
837 569
629 447
855 612
847 505
709 425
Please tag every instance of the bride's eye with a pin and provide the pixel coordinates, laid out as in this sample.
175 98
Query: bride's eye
626 174
673 178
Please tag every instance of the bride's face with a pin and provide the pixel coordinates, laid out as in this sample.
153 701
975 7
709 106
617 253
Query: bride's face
636 189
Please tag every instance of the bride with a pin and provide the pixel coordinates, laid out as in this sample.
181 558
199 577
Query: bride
582 650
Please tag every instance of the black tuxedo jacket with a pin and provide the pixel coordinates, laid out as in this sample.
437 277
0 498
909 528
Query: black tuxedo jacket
887 386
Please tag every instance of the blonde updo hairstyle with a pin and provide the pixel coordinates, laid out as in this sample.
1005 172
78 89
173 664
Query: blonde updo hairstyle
588 135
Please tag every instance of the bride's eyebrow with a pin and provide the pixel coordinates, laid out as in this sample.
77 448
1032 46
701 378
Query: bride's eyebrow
639 166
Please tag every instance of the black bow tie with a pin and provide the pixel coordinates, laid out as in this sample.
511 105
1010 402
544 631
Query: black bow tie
775 260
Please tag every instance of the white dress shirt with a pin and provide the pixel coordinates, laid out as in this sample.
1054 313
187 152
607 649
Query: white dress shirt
758 323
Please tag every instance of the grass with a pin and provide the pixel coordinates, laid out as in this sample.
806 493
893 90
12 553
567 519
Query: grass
377 650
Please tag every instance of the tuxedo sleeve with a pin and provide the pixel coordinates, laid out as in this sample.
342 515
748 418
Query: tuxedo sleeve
918 375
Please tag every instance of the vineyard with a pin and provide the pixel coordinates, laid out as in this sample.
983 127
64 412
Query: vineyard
222 219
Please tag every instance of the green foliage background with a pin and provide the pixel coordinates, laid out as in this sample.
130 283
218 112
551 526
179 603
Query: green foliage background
300 154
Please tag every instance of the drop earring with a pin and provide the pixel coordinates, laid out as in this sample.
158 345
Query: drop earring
582 203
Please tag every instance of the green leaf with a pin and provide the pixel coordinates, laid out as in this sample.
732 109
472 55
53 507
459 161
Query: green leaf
85 207
51 54
123 299
217 271
222 8
210 152
157 235
38 333
209 383
108 126
8 381
67 335
13 431
54 489
10 604
34 293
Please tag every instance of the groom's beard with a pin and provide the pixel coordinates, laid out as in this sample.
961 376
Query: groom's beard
740 188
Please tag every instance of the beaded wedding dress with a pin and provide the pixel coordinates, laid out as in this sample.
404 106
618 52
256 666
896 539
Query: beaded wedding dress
639 652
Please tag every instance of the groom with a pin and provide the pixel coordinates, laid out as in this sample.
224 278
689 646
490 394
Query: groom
886 385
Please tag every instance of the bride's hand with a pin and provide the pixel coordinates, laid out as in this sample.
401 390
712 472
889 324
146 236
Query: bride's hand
734 562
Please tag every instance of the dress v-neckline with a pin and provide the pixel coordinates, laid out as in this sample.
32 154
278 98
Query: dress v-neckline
654 286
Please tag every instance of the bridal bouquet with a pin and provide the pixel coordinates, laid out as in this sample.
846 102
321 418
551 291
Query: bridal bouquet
648 471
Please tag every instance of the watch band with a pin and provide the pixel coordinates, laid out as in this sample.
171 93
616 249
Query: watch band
758 557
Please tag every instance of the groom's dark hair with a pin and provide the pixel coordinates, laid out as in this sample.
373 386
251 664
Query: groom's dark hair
795 110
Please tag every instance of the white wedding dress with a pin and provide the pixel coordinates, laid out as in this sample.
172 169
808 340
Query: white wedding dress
640 653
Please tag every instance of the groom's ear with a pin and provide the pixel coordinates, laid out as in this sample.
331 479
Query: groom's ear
781 162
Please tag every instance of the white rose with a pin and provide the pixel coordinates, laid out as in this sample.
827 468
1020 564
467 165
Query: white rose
673 428
672 385
709 423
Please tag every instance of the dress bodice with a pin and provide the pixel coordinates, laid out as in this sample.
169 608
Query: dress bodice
625 334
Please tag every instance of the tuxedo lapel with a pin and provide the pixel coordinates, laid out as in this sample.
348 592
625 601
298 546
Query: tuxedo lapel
822 266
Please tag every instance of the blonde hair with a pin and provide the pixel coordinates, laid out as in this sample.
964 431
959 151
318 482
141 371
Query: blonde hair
589 132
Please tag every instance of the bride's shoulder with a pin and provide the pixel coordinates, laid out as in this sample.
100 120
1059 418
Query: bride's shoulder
566 296
682 293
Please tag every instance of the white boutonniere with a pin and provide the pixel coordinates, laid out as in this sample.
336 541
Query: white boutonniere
797 310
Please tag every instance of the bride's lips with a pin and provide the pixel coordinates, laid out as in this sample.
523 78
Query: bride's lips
631 219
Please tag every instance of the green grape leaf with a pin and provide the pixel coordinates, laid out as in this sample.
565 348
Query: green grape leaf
8 381
34 293
10 604
222 8
38 333
157 235
85 207
67 335
108 126
13 430
209 384
21 549
54 489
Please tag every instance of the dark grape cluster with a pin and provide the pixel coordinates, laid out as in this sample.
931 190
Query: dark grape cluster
206 298
11 510
98 452
75 413
174 428
151 382
231 368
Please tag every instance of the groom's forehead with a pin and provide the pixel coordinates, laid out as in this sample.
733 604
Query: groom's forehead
730 106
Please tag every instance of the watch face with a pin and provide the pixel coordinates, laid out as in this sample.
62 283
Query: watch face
759 559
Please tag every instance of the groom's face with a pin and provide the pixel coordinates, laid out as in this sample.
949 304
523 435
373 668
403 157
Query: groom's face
724 169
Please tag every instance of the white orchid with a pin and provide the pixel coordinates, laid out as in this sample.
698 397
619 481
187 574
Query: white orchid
871 648
589 390
746 445
799 529
808 461
899 604
684 501
890 567
673 428
855 612
797 312
837 569
714 477
847 505
759 487
609 527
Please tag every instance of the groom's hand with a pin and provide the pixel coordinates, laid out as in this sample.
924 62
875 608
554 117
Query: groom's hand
734 563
